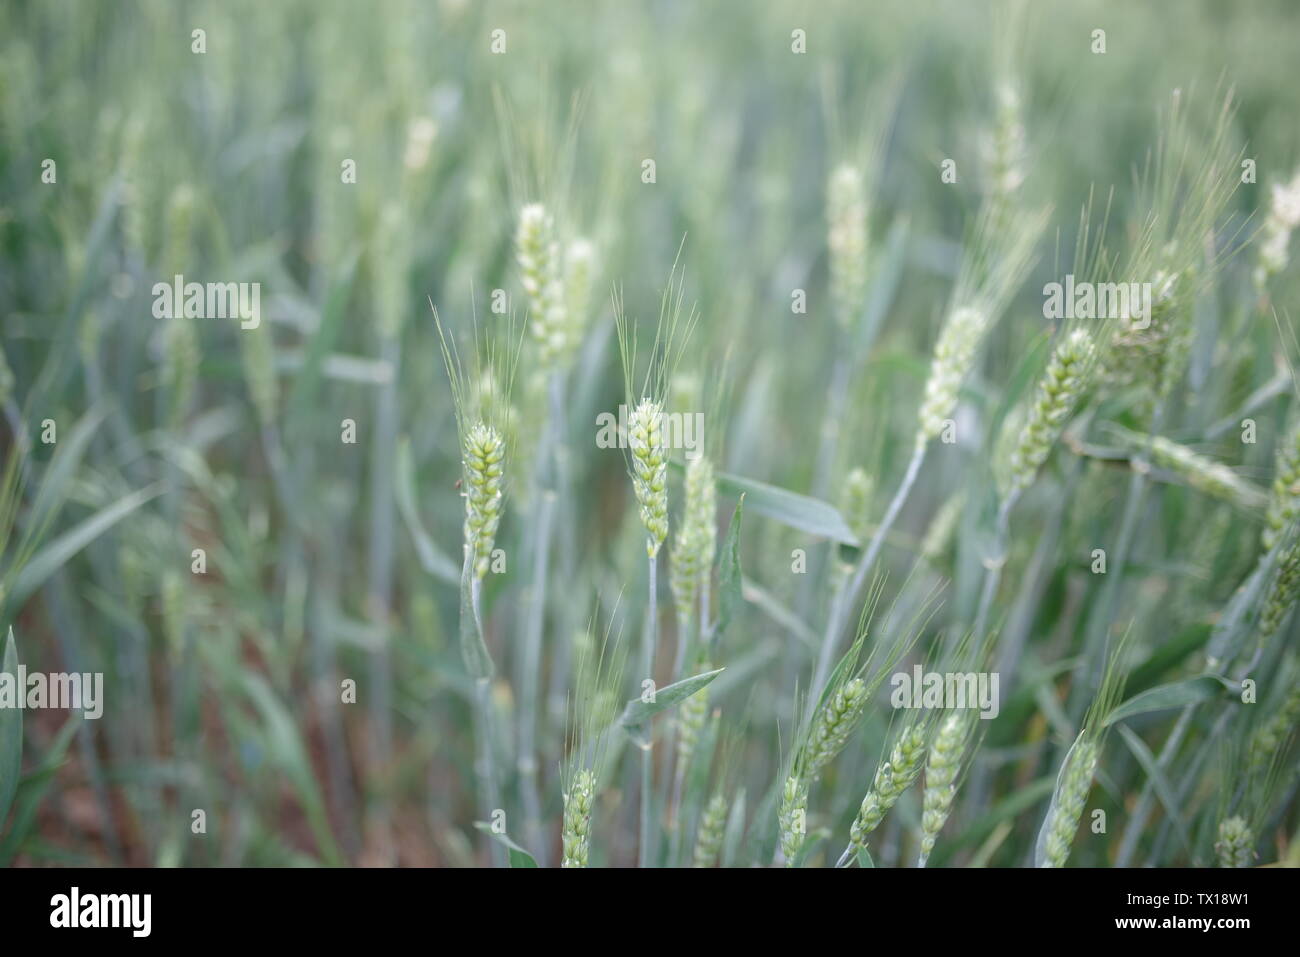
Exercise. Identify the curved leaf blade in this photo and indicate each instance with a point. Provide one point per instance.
(638, 712)
(1176, 694)
(11, 727)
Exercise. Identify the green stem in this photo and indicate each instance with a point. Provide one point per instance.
(548, 472)
(487, 778)
(994, 564)
(1099, 624)
(648, 647)
(845, 598)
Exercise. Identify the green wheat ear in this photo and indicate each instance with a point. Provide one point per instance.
(834, 723)
(1270, 736)
(481, 400)
(1072, 789)
(954, 355)
(891, 780)
(792, 817)
(856, 497)
(577, 818)
(484, 464)
(1074, 780)
(1235, 846)
(257, 353)
(648, 456)
(1204, 474)
(649, 471)
(1058, 392)
(692, 713)
(1275, 235)
(1284, 497)
(846, 240)
(696, 540)
(947, 752)
(713, 823)
(1282, 593)
(541, 275)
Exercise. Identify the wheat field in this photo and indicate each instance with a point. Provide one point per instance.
(649, 434)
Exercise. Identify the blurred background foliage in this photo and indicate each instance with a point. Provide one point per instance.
(223, 688)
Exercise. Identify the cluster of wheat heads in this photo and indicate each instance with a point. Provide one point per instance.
(717, 498)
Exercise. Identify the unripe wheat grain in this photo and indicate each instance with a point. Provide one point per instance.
(1284, 498)
(954, 354)
(1282, 593)
(690, 721)
(1205, 474)
(892, 778)
(857, 501)
(539, 264)
(577, 819)
(1072, 789)
(1235, 846)
(1283, 218)
(946, 753)
(484, 461)
(1057, 394)
(649, 471)
(834, 722)
(846, 214)
(1269, 736)
(793, 817)
(713, 823)
(696, 539)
